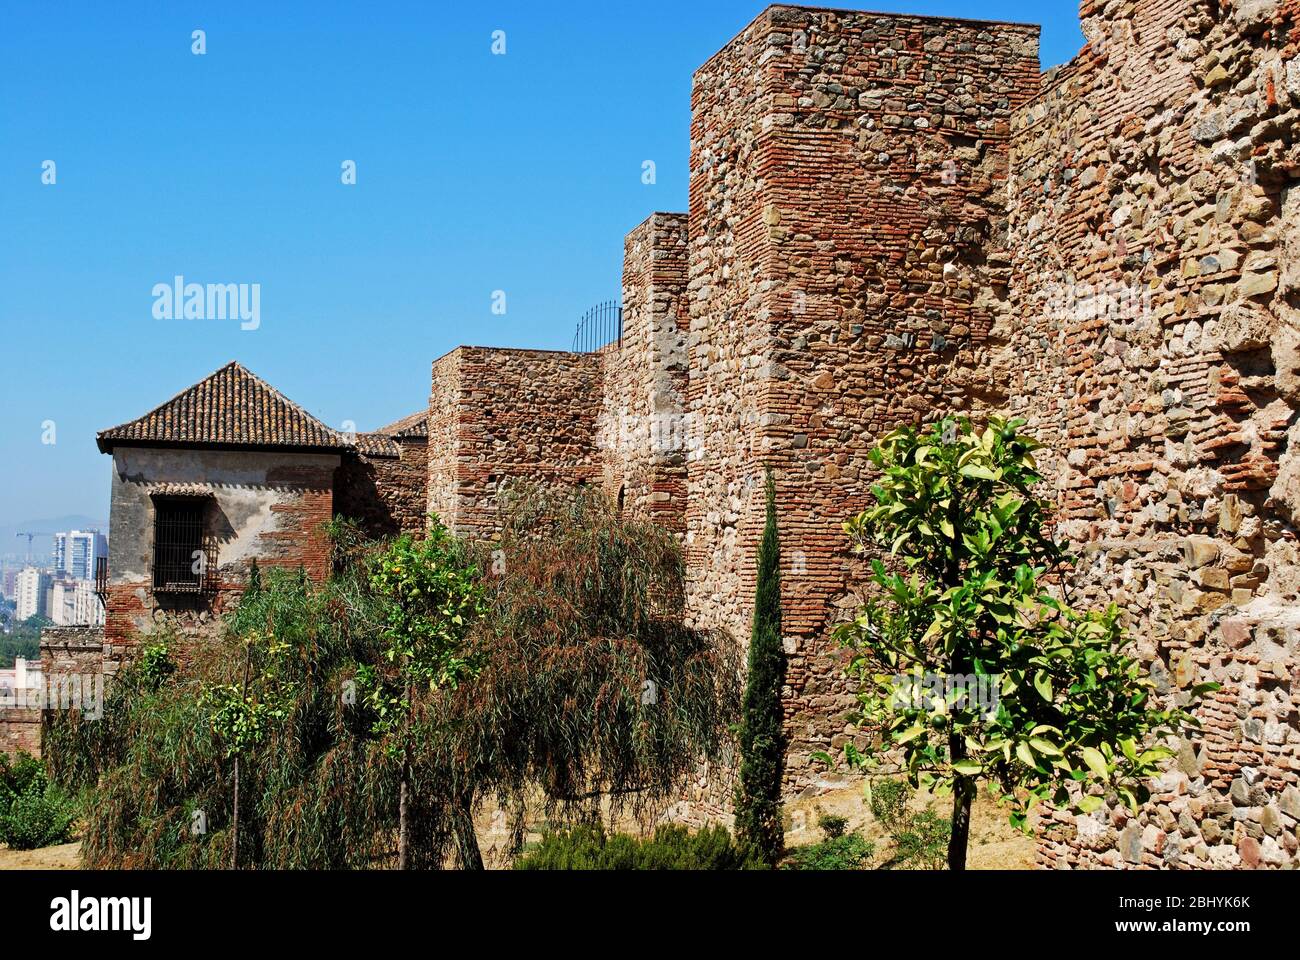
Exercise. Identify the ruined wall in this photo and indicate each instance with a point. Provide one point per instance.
(266, 506)
(509, 414)
(1153, 225)
(641, 433)
(847, 268)
(70, 673)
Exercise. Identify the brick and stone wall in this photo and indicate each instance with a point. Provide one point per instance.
(642, 432)
(70, 672)
(504, 415)
(385, 488)
(20, 730)
(1154, 344)
(847, 268)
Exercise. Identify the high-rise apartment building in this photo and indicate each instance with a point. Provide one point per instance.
(75, 552)
(32, 593)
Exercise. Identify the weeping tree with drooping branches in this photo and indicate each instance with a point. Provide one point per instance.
(593, 698)
(589, 697)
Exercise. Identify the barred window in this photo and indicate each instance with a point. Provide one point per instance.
(179, 558)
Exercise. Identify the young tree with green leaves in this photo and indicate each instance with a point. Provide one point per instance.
(762, 730)
(971, 670)
(242, 714)
(431, 595)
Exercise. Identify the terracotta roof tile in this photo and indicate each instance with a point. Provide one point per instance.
(232, 407)
(378, 445)
(415, 425)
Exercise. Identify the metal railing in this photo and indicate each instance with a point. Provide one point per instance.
(101, 580)
(600, 329)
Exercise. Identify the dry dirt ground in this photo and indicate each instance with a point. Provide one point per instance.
(994, 844)
(66, 856)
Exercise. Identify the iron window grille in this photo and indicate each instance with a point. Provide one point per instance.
(184, 556)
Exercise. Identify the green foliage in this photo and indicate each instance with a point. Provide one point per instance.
(923, 841)
(156, 664)
(316, 793)
(593, 693)
(888, 800)
(964, 598)
(18, 773)
(241, 713)
(832, 825)
(33, 812)
(582, 612)
(24, 641)
(845, 851)
(762, 733)
(588, 847)
(430, 598)
(920, 839)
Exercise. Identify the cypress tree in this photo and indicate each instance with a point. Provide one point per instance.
(762, 731)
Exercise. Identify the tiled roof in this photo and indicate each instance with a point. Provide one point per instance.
(232, 407)
(378, 445)
(415, 425)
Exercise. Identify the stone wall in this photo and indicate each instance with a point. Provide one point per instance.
(847, 269)
(385, 487)
(20, 730)
(642, 432)
(1154, 345)
(71, 672)
(505, 415)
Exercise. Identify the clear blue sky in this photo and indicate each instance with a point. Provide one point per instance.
(474, 173)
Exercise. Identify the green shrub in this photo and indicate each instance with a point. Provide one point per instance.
(845, 851)
(832, 825)
(33, 812)
(888, 802)
(17, 775)
(40, 816)
(588, 847)
(924, 843)
(920, 839)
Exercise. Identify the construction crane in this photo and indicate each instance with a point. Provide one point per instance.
(30, 537)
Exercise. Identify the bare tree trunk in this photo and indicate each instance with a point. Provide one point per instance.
(963, 792)
(471, 857)
(403, 835)
(234, 819)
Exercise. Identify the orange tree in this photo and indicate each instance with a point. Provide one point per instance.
(971, 671)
